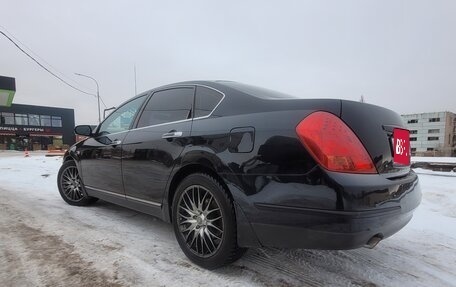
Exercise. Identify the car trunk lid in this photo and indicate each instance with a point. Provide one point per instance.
(376, 127)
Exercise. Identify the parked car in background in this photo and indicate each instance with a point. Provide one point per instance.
(233, 166)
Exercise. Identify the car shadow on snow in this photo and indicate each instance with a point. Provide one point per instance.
(390, 263)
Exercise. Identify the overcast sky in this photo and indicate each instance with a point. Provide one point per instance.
(398, 54)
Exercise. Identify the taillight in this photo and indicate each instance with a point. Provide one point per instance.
(333, 144)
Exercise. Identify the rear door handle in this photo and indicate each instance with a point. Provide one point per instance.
(171, 135)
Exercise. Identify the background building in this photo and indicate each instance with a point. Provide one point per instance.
(432, 134)
(35, 127)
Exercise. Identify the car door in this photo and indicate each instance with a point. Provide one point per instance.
(151, 150)
(100, 156)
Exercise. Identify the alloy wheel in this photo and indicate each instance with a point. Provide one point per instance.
(71, 184)
(200, 221)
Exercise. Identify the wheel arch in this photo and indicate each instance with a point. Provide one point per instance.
(184, 171)
(67, 158)
(70, 155)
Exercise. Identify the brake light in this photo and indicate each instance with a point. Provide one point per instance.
(333, 144)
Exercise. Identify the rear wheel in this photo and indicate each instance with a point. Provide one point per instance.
(71, 187)
(204, 222)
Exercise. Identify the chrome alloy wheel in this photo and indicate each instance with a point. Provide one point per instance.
(71, 184)
(200, 220)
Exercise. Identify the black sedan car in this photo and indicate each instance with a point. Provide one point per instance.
(233, 166)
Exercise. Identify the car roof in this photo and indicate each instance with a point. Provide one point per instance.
(230, 87)
(238, 98)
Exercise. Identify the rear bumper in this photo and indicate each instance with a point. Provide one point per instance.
(343, 214)
(292, 227)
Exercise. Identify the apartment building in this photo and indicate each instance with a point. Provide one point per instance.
(432, 134)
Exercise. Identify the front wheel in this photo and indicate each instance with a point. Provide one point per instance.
(204, 222)
(71, 187)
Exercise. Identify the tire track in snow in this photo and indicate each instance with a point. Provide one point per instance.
(27, 247)
(267, 259)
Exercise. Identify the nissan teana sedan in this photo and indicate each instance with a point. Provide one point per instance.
(233, 166)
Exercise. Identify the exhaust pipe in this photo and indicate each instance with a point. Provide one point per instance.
(373, 241)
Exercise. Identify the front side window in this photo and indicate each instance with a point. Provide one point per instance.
(206, 100)
(122, 118)
(167, 106)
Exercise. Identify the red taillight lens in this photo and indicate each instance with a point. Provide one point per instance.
(333, 144)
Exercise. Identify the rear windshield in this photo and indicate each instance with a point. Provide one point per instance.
(258, 92)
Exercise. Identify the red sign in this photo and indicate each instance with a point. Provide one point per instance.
(401, 146)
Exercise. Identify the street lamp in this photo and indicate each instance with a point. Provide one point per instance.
(98, 94)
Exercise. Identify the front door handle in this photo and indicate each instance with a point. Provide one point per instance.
(171, 135)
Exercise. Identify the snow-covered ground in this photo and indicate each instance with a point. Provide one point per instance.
(46, 242)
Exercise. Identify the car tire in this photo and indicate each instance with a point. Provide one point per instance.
(204, 222)
(71, 187)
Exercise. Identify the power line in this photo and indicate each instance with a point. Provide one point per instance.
(103, 103)
(42, 60)
(42, 66)
(46, 69)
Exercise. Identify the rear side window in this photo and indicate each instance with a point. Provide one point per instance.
(167, 106)
(206, 100)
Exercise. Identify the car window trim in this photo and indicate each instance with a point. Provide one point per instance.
(216, 106)
(151, 94)
(162, 124)
(193, 107)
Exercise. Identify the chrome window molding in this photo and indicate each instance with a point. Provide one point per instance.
(179, 121)
(162, 124)
(186, 120)
(193, 85)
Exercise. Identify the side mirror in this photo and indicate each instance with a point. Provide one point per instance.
(83, 130)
